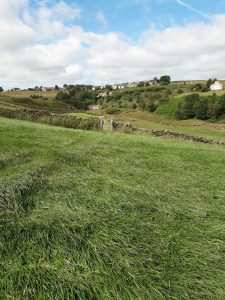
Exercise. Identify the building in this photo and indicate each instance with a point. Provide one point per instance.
(43, 89)
(104, 94)
(94, 107)
(132, 84)
(216, 86)
(15, 89)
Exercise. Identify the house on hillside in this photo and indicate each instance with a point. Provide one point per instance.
(43, 89)
(94, 107)
(132, 84)
(216, 86)
(104, 94)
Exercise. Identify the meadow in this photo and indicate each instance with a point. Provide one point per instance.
(23, 99)
(91, 215)
(162, 119)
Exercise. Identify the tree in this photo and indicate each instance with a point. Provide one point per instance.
(61, 96)
(165, 79)
(141, 84)
(209, 83)
(109, 87)
(186, 110)
(1, 89)
(57, 88)
(201, 109)
(196, 87)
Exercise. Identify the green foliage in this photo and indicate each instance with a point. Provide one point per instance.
(211, 107)
(36, 96)
(80, 96)
(185, 109)
(1, 89)
(201, 109)
(141, 84)
(179, 91)
(112, 111)
(165, 79)
(196, 87)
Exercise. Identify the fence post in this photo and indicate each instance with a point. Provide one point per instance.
(101, 123)
(111, 125)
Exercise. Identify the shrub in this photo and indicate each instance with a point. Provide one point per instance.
(112, 111)
(179, 91)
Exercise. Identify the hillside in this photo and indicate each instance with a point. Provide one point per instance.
(162, 118)
(44, 100)
(88, 215)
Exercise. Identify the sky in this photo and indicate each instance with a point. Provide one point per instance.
(48, 42)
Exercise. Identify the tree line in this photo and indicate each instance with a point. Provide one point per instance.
(203, 108)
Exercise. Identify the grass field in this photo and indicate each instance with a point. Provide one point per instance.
(88, 215)
(193, 127)
(161, 119)
(22, 99)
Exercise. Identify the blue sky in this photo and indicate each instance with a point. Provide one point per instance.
(135, 16)
(48, 42)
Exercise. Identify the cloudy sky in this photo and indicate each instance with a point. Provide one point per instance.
(49, 42)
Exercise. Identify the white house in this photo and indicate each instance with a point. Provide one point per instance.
(216, 86)
(104, 94)
(132, 84)
(94, 107)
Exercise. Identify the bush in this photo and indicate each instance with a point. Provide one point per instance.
(186, 109)
(112, 111)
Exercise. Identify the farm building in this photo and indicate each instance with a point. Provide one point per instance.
(94, 107)
(216, 86)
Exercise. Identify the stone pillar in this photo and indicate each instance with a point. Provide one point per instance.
(101, 123)
(111, 125)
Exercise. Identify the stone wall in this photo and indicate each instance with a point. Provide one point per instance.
(179, 135)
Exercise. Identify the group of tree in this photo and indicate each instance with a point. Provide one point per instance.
(203, 108)
(163, 80)
(80, 96)
(201, 87)
(1, 89)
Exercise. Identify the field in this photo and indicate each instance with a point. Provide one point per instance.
(148, 120)
(161, 119)
(22, 99)
(89, 215)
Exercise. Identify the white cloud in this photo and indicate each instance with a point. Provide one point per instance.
(100, 16)
(38, 47)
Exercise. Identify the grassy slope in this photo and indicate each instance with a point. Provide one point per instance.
(100, 216)
(169, 108)
(160, 120)
(153, 121)
(22, 98)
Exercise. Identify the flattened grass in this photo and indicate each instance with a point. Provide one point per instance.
(113, 216)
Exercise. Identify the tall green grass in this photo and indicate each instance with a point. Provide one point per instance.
(109, 216)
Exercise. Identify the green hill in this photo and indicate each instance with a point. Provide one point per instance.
(88, 215)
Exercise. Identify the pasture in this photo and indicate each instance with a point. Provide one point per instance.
(89, 215)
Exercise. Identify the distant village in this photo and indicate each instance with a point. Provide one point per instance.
(108, 89)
